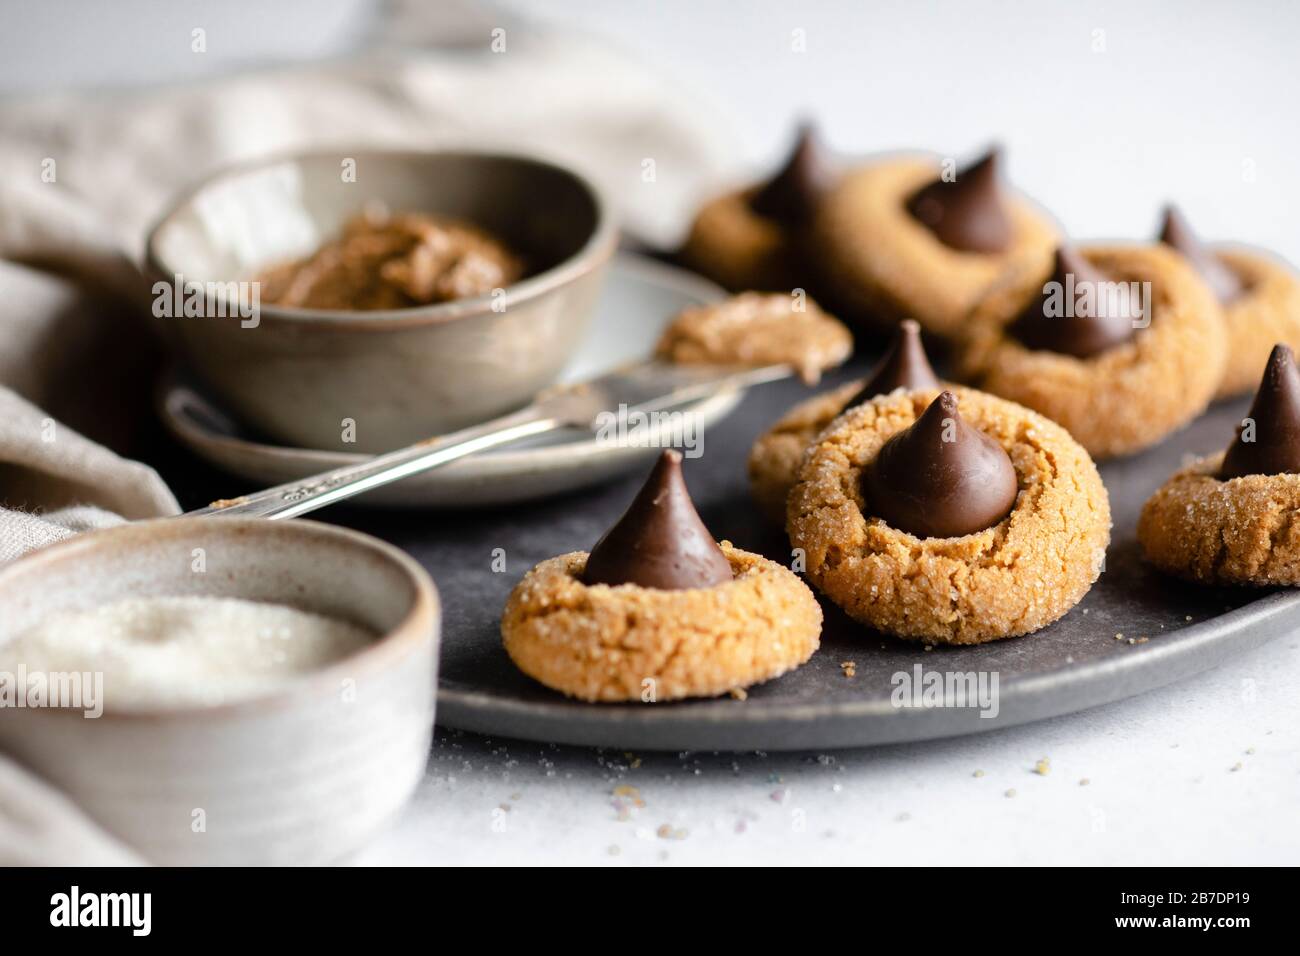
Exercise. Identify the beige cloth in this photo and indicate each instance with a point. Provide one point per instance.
(72, 343)
(76, 359)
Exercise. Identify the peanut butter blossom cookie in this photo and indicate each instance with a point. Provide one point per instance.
(659, 610)
(1234, 518)
(775, 457)
(1120, 344)
(754, 238)
(951, 517)
(900, 238)
(758, 329)
(1260, 298)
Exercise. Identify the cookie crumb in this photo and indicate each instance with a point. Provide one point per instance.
(667, 831)
(629, 793)
(1043, 767)
(1011, 792)
(1119, 636)
(850, 668)
(978, 773)
(1235, 767)
(738, 693)
(1084, 781)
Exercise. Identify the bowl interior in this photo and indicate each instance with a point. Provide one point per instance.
(253, 216)
(302, 564)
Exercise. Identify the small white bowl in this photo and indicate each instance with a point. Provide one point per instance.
(300, 775)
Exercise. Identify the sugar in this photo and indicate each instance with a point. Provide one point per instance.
(184, 651)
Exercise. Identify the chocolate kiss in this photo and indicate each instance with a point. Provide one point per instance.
(1081, 335)
(969, 213)
(903, 366)
(792, 195)
(940, 478)
(1175, 232)
(1275, 412)
(660, 542)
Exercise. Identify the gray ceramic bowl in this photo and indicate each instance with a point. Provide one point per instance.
(304, 774)
(399, 376)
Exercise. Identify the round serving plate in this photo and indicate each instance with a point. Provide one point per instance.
(1170, 629)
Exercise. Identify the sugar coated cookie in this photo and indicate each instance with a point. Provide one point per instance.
(1121, 345)
(754, 238)
(1259, 294)
(774, 458)
(952, 517)
(658, 610)
(899, 238)
(1234, 518)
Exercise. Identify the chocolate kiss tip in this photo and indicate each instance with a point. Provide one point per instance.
(660, 541)
(904, 365)
(792, 195)
(1269, 442)
(1056, 320)
(1177, 233)
(968, 214)
(940, 477)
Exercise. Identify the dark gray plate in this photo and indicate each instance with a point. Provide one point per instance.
(1074, 664)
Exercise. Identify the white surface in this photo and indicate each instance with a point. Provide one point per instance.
(1187, 99)
(1162, 791)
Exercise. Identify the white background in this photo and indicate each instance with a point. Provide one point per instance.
(1193, 101)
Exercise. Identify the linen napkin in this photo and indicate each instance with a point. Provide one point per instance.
(82, 175)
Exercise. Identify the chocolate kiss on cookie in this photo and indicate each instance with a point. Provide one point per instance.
(1268, 442)
(940, 477)
(1175, 232)
(969, 213)
(905, 365)
(660, 542)
(792, 195)
(1074, 314)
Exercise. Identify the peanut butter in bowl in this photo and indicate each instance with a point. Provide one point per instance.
(381, 261)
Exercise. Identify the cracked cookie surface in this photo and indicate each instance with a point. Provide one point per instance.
(1125, 398)
(1241, 531)
(880, 261)
(1267, 312)
(603, 643)
(1011, 579)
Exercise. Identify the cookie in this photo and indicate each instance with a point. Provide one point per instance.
(755, 238)
(882, 237)
(1115, 387)
(758, 329)
(775, 457)
(658, 610)
(1260, 297)
(602, 643)
(1011, 577)
(1234, 518)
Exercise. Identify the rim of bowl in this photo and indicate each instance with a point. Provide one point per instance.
(423, 618)
(593, 253)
